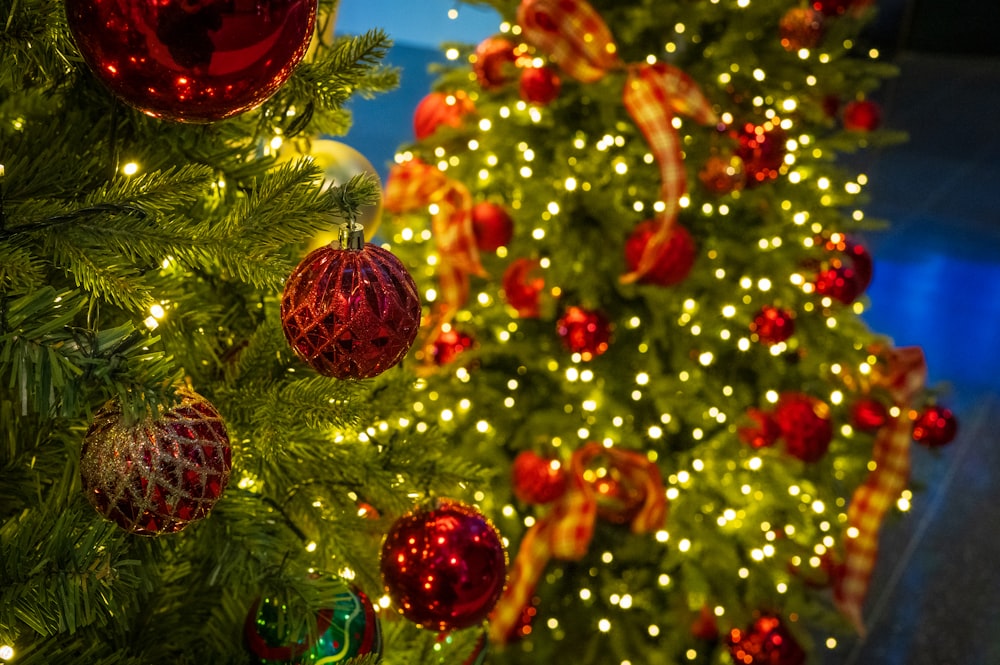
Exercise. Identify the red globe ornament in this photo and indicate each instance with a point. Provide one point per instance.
(766, 642)
(537, 480)
(539, 85)
(350, 312)
(440, 109)
(848, 273)
(800, 28)
(722, 175)
(493, 63)
(584, 331)
(674, 258)
(444, 567)
(868, 415)
(936, 426)
(522, 287)
(448, 345)
(772, 325)
(762, 149)
(492, 226)
(805, 426)
(763, 432)
(157, 475)
(194, 61)
(862, 115)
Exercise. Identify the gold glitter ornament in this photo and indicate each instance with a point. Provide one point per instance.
(159, 474)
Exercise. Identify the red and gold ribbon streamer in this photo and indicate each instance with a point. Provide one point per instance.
(576, 38)
(907, 373)
(565, 532)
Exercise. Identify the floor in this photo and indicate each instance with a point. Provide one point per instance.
(936, 593)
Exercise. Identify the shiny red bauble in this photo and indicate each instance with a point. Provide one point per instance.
(761, 431)
(539, 85)
(765, 642)
(192, 60)
(350, 313)
(772, 325)
(444, 566)
(869, 415)
(762, 149)
(492, 226)
(935, 426)
(674, 257)
(800, 28)
(805, 426)
(448, 345)
(439, 109)
(862, 115)
(523, 284)
(537, 480)
(157, 475)
(848, 271)
(584, 331)
(493, 62)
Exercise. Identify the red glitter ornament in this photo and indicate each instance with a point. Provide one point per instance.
(440, 109)
(492, 226)
(522, 287)
(772, 325)
(762, 149)
(763, 432)
(868, 415)
(674, 258)
(535, 479)
(159, 474)
(800, 28)
(766, 642)
(848, 272)
(444, 567)
(350, 312)
(722, 175)
(448, 345)
(584, 331)
(862, 115)
(936, 426)
(539, 85)
(493, 62)
(805, 426)
(192, 61)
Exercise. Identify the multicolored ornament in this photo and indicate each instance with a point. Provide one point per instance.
(493, 62)
(800, 28)
(722, 174)
(539, 85)
(869, 415)
(440, 109)
(448, 345)
(762, 149)
(492, 226)
(674, 258)
(772, 325)
(444, 566)
(522, 287)
(936, 426)
(862, 115)
(160, 474)
(348, 629)
(766, 642)
(192, 61)
(537, 480)
(805, 426)
(350, 312)
(584, 331)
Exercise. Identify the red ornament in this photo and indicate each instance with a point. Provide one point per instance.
(862, 115)
(773, 325)
(763, 433)
(539, 85)
(722, 175)
(805, 426)
(492, 226)
(674, 258)
(444, 567)
(192, 61)
(762, 149)
(839, 7)
(159, 474)
(848, 273)
(584, 331)
(766, 642)
(869, 415)
(537, 480)
(705, 627)
(439, 108)
(800, 28)
(350, 313)
(493, 62)
(448, 345)
(936, 426)
(522, 287)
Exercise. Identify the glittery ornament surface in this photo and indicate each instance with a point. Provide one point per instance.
(539, 85)
(935, 426)
(160, 474)
(192, 60)
(444, 566)
(805, 426)
(766, 642)
(772, 325)
(584, 331)
(762, 150)
(800, 28)
(350, 313)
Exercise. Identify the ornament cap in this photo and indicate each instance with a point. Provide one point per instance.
(352, 236)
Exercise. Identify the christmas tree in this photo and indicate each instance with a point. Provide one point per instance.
(644, 242)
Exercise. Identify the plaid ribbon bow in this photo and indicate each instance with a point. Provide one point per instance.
(576, 38)
(907, 373)
(565, 532)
